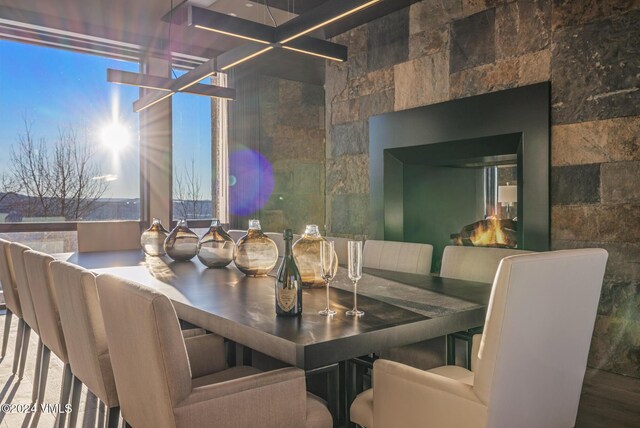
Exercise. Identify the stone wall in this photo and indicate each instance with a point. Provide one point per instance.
(292, 127)
(435, 51)
(284, 121)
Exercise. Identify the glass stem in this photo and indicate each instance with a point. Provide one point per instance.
(327, 287)
(355, 295)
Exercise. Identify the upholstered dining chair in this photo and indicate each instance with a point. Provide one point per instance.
(86, 340)
(160, 384)
(529, 362)
(45, 304)
(108, 236)
(16, 251)
(397, 256)
(341, 247)
(478, 264)
(236, 234)
(12, 301)
(279, 240)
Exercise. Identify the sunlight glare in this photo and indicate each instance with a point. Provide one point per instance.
(115, 137)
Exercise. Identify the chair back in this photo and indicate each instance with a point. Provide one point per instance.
(341, 247)
(398, 256)
(108, 236)
(534, 349)
(147, 351)
(279, 240)
(83, 327)
(474, 263)
(22, 284)
(8, 280)
(45, 302)
(236, 234)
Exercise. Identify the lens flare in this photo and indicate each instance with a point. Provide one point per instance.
(253, 182)
(115, 137)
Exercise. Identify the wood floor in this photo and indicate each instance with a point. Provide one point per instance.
(608, 400)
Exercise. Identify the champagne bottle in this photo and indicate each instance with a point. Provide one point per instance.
(288, 282)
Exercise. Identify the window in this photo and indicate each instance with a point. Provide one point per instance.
(192, 158)
(69, 138)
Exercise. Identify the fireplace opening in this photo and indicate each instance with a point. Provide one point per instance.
(498, 227)
(461, 192)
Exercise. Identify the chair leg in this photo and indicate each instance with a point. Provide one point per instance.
(126, 425)
(113, 417)
(7, 328)
(24, 350)
(44, 374)
(65, 392)
(16, 355)
(75, 402)
(36, 374)
(469, 354)
(451, 350)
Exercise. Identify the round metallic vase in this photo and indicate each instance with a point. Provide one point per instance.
(255, 254)
(152, 239)
(182, 243)
(215, 248)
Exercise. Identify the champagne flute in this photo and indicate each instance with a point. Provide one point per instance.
(355, 273)
(327, 264)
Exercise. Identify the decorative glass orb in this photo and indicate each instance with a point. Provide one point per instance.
(306, 251)
(152, 239)
(182, 243)
(255, 254)
(215, 249)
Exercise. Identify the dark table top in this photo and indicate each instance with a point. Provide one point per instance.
(399, 308)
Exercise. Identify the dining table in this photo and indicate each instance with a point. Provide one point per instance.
(400, 309)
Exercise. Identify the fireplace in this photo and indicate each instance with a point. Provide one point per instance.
(491, 232)
(474, 170)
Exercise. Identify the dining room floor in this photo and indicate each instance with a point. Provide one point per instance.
(608, 400)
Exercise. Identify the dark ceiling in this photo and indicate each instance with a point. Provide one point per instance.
(137, 25)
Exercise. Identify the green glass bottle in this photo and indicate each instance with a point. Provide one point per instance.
(288, 282)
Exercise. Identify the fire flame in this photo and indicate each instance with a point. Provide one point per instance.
(492, 234)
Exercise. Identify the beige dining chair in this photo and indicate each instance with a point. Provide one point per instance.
(85, 336)
(160, 384)
(478, 264)
(16, 251)
(528, 365)
(12, 301)
(279, 240)
(236, 234)
(108, 236)
(405, 257)
(86, 340)
(52, 339)
(341, 247)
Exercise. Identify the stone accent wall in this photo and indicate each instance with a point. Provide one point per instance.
(285, 123)
(435, 51)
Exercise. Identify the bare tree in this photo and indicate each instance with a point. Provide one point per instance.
(188, 192)
(7, 187)
(58, 181)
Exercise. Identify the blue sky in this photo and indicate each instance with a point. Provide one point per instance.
(56, 89)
